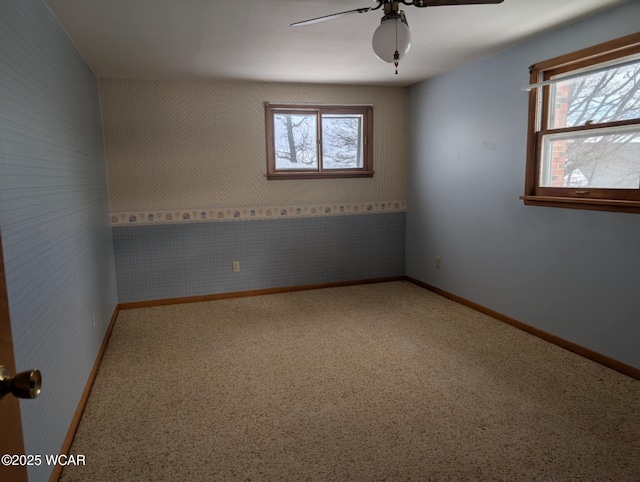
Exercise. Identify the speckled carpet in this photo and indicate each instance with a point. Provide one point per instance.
(375, 382)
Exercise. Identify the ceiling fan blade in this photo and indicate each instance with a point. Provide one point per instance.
(329, 17)
(444, 3)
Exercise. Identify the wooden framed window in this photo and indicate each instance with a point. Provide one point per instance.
(583, 144)
(319, 141)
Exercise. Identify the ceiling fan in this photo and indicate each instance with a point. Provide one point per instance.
(392, 39)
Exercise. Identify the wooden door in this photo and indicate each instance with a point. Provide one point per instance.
(11, 441)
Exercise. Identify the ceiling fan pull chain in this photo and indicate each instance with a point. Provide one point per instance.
(396, 54)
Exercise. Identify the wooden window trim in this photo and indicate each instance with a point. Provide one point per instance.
(618, 200)
(322, 173)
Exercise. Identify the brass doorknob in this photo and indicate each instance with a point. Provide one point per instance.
(25, 384)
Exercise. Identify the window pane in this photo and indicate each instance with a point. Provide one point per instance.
(342, 141)
(599, 158)
(296, 141)
(607, 96)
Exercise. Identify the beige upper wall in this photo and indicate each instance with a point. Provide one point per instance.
(182, 144)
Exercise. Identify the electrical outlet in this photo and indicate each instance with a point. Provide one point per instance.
(93, 319)
(236, 266)
(438, 262)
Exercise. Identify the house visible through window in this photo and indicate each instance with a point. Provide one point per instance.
(318, 141)
(584, 129)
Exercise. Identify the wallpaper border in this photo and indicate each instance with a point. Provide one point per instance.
(173, 216)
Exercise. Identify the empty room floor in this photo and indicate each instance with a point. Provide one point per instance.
(373, 382)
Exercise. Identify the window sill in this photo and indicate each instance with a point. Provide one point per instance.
(319, 175)
(588, 204)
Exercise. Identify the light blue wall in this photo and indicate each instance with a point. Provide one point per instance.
(181, 260)
(57, 240)
(568, 272)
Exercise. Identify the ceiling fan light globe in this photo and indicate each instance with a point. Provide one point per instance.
(384, 39)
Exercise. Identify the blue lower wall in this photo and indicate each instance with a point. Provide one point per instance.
(179, 260)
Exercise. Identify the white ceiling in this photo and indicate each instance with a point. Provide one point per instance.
(252, 40)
